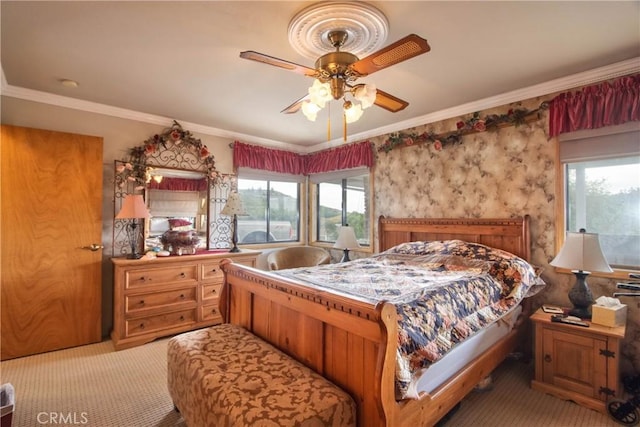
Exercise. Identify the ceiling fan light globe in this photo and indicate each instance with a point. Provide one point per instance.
(366, 94)
(352, 112)
(310, 110)
(320, 93)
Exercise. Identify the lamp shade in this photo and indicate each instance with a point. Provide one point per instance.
(133, 206)
(582, 252)
(346, 238)
(233, 206)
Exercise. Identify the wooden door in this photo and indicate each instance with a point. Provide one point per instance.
(51, 207)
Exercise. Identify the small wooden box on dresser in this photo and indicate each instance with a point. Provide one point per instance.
(168, 295)
(577, 363)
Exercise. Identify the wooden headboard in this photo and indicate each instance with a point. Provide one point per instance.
(509, 234)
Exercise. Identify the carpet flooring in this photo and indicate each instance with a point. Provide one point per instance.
(96, 386)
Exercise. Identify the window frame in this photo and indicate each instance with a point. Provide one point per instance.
(302, 202)
(313, 217)
(561, 193)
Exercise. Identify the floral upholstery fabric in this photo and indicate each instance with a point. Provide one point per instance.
(224, 376)
(444, 292)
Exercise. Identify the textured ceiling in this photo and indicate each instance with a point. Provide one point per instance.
(180, 59)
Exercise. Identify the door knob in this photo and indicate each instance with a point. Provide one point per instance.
(93, 247)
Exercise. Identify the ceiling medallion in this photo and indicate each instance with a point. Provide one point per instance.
(366, 27)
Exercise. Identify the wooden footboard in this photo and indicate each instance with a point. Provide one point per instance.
(342, 339)
(353, 343)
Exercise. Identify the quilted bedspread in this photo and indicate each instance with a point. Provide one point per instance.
(444, 292)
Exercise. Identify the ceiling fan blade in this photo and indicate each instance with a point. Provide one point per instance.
(295, 107)
(389, 102)
(405, 48)
(277, 62)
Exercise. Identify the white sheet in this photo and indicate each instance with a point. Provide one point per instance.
(438, 373)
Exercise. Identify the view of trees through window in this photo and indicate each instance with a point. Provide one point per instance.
(343, 201)
(603, 196)
(273, 211)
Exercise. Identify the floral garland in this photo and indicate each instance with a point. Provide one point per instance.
(134, 169)
(474, 124)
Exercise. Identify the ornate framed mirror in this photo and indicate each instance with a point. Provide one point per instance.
(182, 189)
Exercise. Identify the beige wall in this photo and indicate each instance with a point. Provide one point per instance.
(508, 172)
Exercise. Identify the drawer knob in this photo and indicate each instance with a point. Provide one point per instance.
(214, 311)
(181, 296)
(213, 270)
(213, 291)
(183, 275)
(141, 302)
(142, 279)
(141, 325)
(181, 317)
(547, 358)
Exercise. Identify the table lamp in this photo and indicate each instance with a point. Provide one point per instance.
(582, 254)
(133, 207)
(234, 207)
(346, 240)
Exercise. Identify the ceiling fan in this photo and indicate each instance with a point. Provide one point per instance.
(340, 70)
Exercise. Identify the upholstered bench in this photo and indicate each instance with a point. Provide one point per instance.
(225, 376)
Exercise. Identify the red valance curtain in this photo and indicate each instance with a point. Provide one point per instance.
(179, 184)
(596, 106)
(268, 159)
(262, 158)
(340, 158)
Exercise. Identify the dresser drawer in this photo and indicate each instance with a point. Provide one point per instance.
(184, 273)
(210, 313)
(147, 301)
(211, 291)
(212, 271)
(159, 322)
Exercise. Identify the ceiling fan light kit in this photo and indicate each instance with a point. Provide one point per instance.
(328, 29)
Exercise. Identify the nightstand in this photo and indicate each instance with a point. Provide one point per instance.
(577, 363)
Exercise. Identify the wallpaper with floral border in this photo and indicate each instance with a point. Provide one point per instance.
(507, 172)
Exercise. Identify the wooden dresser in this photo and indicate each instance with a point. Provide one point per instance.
(164, 296)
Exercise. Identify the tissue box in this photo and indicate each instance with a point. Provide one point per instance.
(609, 316)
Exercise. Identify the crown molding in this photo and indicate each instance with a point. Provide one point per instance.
(629, 66)
(123, 113)
(569, 82)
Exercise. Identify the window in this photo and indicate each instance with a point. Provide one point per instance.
(603, 196)
(342, 200)
(602, 193)
(273, 211)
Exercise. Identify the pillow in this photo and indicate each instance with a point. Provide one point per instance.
(539, 283)
(455, 262)
(178, 222)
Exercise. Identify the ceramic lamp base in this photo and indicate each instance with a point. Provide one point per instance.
(581, 297)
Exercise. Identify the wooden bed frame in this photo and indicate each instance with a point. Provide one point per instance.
(353, 343)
